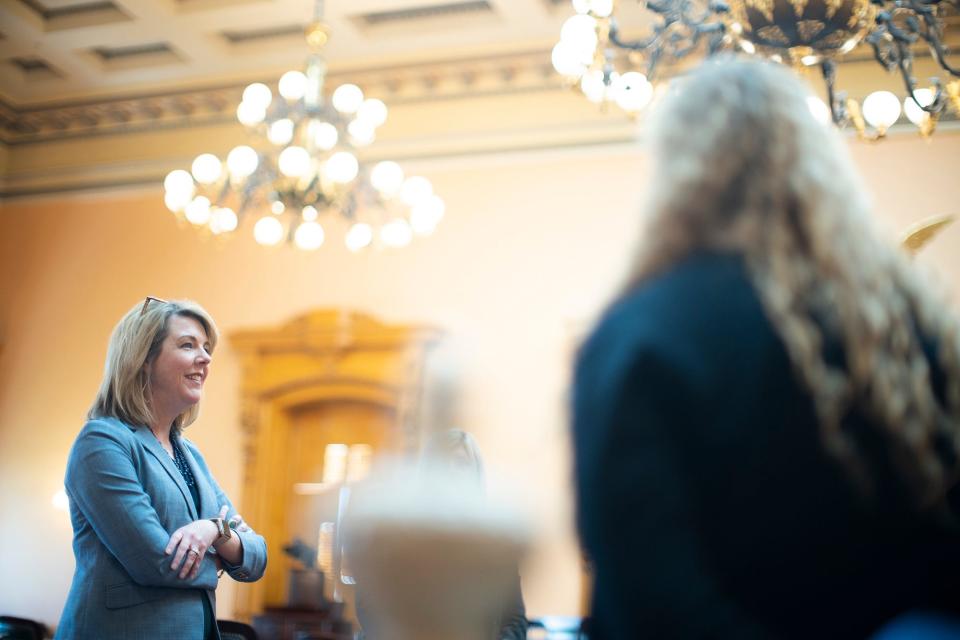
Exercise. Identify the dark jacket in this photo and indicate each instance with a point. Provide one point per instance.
(705, 501)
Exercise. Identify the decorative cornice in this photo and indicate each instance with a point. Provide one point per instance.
(443, 80)
(454, 79)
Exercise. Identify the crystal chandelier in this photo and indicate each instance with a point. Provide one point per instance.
(609, 68)
(301, 175)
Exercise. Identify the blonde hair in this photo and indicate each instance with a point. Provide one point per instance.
(741, 165)
(135, 341)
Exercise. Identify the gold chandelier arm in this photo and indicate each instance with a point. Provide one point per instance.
(953, 91)
(856, 118)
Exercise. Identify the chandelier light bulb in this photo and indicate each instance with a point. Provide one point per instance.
(414, 190)
(613, 87)
(258, 95)
(347, 98)
(849, 46)
(178, 181)
(197, 211)
(206, 168)
(293, 84)
(421, 223)
(294, 162)
(601, 8)
(176, 201)
(242, 161)
(250, 114)
(373, 112)
(912, 110)
(819, 110)
(579, 32)
(223, 220)
(304, 162)
(634, 92)
(436, 207)
(342, 167)
(323, 134)
(593, 86)
(268, 231)
(396, 233)
(359, 236)
(591, 51)
(281, 132)
(567, 61)
(881, 109)
(361, 132)
(387, 178)
(308, 236)
(425, 215)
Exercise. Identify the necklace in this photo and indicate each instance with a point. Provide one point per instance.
(182, 465)
(179, 460)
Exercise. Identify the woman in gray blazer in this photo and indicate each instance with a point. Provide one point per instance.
(152, 528)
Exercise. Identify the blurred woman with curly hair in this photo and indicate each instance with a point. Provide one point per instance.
(767, 419)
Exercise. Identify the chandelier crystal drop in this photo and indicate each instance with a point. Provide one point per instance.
(302, 173)
(594, 56)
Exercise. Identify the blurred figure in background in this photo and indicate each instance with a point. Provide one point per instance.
(434, 558)
(457, 451)
(767, 421)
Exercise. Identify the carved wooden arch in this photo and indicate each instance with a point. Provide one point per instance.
(323, 356)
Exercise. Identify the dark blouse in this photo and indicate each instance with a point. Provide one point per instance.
(181, 463)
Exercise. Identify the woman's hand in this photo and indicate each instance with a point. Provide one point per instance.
(237, 524)
(189, 544)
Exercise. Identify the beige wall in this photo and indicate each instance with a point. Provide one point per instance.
(531, 245)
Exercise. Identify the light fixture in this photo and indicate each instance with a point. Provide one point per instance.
(302, 173)
(608, 68)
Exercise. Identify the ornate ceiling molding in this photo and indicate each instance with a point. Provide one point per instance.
(453, 79)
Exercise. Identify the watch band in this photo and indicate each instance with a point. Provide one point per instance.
(223, 531)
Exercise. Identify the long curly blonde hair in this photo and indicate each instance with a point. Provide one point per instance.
(740, 164)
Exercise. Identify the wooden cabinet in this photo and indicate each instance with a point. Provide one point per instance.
(323, 378)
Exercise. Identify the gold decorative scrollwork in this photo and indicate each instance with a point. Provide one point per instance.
(765, 7)
(773, 34)
(799, 6)
(810, 29)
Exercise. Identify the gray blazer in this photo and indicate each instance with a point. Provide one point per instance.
(126, 499)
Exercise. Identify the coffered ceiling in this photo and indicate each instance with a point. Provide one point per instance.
(64, 52)
(95, 93)
(58, 51)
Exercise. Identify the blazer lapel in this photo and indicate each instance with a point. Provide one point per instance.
(153, 445)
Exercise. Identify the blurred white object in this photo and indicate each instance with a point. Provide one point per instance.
(431, 554)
